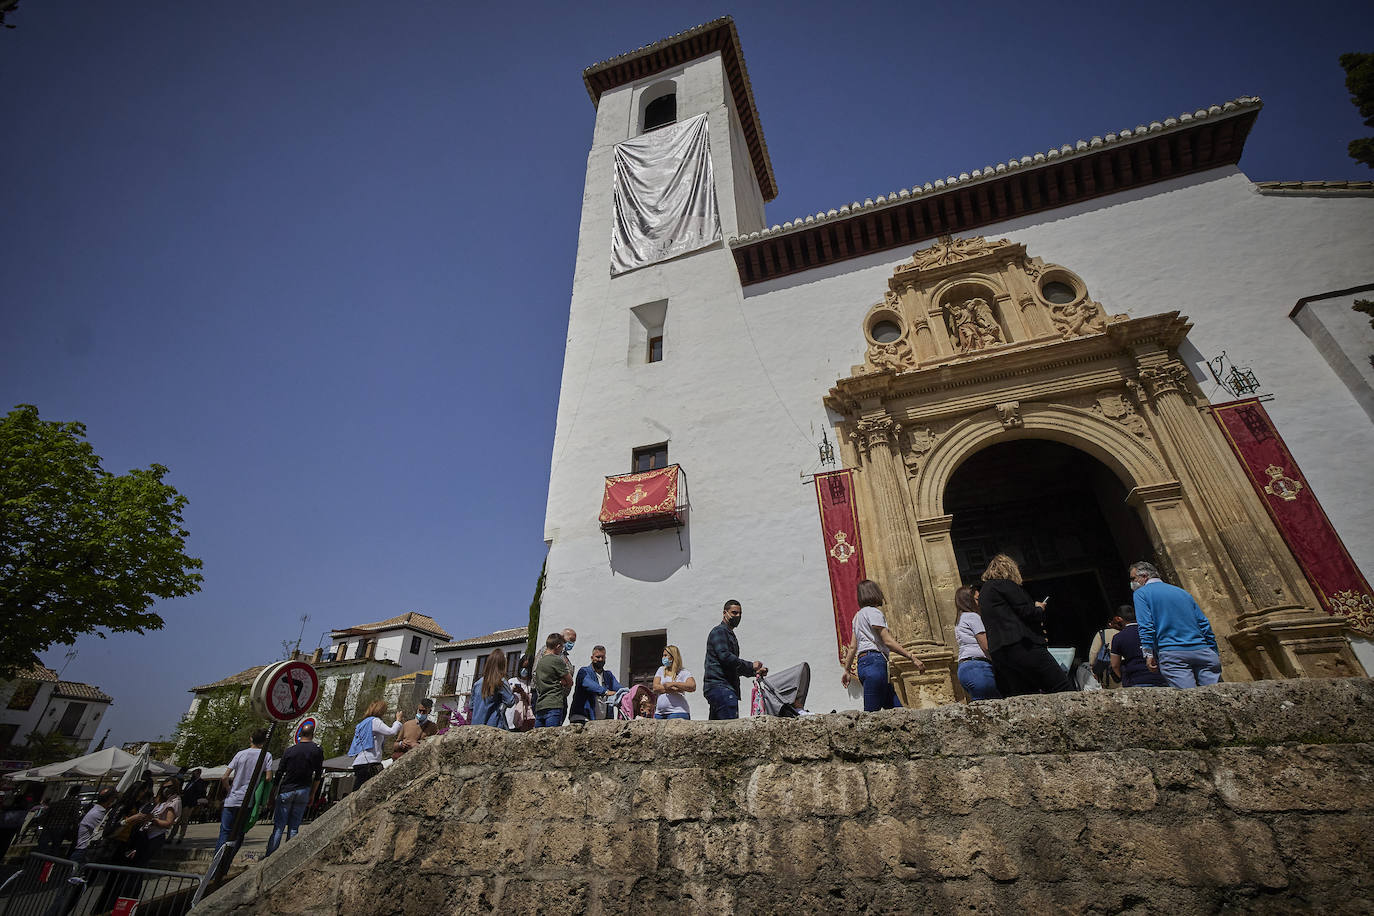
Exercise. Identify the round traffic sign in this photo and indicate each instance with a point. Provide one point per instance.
(290, 690)
(308, 720)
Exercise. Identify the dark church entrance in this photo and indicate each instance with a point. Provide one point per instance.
(1063, 516)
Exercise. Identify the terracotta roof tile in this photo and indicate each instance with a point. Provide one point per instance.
(243, 678)
(411, 619)
(72, 690)
(491, 639)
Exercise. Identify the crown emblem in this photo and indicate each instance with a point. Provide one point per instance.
(639, 494)
(1280, 485)
(842, 550)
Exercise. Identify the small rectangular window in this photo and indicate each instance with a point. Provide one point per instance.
(71, 720)
(649, 458)
(24, 695)
(414, 645)
(656, 349)
(645, 654)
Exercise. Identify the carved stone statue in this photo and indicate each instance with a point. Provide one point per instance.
(896, 355)
(989, 331)
(973, 325)
(1076, 319)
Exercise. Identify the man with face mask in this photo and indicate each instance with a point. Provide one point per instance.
(416, 730)
(724, 667)
(592, 682)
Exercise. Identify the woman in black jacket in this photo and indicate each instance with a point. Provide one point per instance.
(1015, 631)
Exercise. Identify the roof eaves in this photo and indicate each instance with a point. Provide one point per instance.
(1316, 188)
(988, 173)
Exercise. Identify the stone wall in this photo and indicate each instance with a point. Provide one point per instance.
(1253, 797)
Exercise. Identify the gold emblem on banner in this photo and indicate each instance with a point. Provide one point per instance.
(1357, 608)
(842, 550)
(1280, 485)
(634, 498)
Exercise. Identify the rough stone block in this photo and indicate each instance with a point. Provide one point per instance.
(689, 793)
(793, 790)
(1211, 853)
(1311, 778)
(1063, 783)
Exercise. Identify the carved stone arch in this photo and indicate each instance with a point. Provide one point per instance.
(1134, 464)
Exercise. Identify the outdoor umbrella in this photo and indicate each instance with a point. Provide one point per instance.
(109, 762)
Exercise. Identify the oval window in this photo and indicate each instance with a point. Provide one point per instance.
(1058, 292)
(885, 331)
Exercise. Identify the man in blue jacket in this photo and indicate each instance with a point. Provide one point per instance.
(1175, 636)
(593, 681)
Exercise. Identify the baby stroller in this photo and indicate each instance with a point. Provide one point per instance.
(782, 694)
(626, 699)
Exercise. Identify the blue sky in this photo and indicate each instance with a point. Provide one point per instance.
(316, 257)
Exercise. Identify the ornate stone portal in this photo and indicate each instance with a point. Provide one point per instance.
(976, 343)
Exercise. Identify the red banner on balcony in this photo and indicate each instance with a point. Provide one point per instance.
(643, 498)
(844, 557)
(1294, 508)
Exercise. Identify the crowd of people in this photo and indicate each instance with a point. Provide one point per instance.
(1161, 639)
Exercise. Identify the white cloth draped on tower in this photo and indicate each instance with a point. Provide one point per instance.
(665, 196)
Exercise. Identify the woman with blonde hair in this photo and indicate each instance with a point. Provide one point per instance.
(368, 738)
(1015, 630)
(671, 682)
(491, 695)
(872, 642)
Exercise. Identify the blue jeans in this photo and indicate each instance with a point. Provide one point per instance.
(878, 692)
(1190, 667)
(286, 818)
(548, 718)
(226, 824)
(975, 676)
(671, 715)
(724, 702)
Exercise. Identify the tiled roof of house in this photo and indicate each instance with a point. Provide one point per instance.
(491, 639)
(72, 690)
(243, 678)
(1334, 188)
(411, 676)
(36, 672)
(411, 619)
(1066, 151)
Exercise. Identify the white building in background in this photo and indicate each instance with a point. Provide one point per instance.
(40, 701)
(390, 659)
(732, 358)
(458, 665)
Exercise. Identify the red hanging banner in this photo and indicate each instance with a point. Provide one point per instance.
(844, 557)
(646, 500)
(1294, 508)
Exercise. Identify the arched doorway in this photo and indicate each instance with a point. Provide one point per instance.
(1062, 514)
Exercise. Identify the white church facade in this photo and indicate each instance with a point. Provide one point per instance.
(1016, 358)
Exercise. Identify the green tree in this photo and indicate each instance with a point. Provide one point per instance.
(533, 638)
(335, 736)
(81, 550)
(40, 750)
(220, 728)
(1359, 79)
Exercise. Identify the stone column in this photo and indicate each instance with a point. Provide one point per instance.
(1166, 384)
(878, 442)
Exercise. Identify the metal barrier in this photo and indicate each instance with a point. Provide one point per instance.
(50, 886)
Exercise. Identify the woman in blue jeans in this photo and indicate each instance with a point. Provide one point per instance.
(975, 668)
(871, 643)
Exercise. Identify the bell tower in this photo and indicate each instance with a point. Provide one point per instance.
(657, 338)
